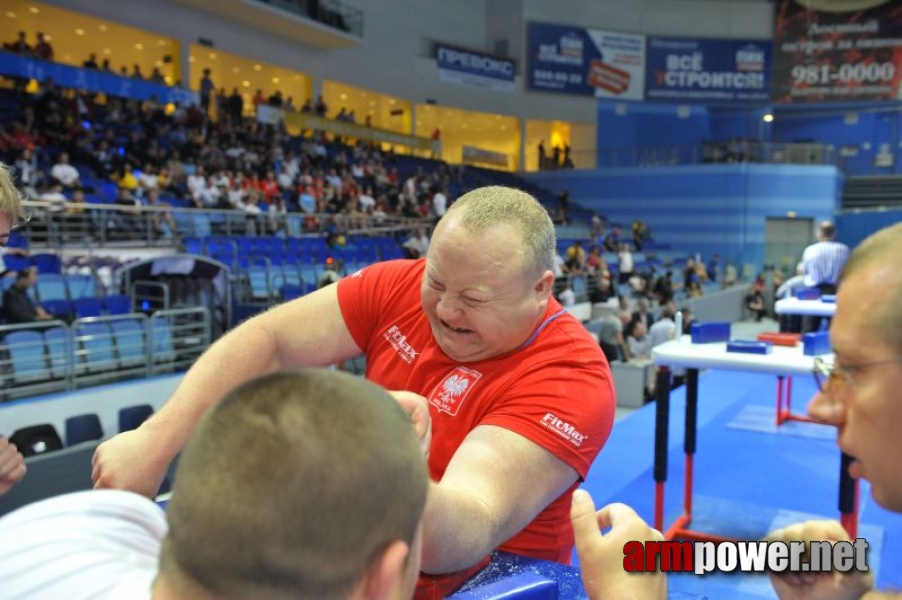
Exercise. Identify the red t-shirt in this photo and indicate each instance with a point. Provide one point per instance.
(556, 390)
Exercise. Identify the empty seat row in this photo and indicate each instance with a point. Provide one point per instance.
(80, 308)
(87, 348)
(43, 438)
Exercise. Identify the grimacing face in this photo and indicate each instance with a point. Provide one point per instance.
(868, 410)
(475, 294)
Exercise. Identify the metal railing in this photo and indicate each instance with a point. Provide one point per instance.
(52, 356)
(99, 225)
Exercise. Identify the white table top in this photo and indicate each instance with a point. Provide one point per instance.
(783, 360)
(814, 308)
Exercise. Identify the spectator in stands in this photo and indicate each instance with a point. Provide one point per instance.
(641, 315)
(136, 72)
(694, 290)
(610, 336)
(91, 63)
(43, 49)
(496, 317)
(417, 245)
(664, 329)
(206, 88)
(17, 304)
(329, 275)
(439, 201)
(637, 340)
(593, 261)
(712, 268)
(626, 264)
(662, 291)
(236, 106)
(20, 46)
(320, 108)
(65, 173)
(575, 259)
(12, 465)
(232, 529)
(612, 240)
(754, 301)
(567, 297)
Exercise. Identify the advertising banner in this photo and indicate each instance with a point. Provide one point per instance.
(692, 71)
(837, 50)
(457, 65)
(588, 62)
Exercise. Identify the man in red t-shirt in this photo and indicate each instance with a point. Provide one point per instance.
(520, 397)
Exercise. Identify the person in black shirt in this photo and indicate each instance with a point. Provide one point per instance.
(17, 305)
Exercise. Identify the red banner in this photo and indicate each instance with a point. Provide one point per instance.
(837, 51)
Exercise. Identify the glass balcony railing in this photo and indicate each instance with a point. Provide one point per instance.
(328, 12)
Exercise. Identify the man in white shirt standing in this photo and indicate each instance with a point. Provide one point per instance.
(439, 203)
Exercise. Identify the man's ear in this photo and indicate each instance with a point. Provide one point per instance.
(384, 578)
(544, 286)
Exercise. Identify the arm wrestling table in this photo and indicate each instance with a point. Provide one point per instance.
(805, 308)
(782, 361)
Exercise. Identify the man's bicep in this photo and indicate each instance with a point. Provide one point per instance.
(512, 476)
(311, 330)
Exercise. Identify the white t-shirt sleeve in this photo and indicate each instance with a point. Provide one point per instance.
(87, 545)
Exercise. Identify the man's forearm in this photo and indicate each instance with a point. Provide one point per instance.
(458, 531)
(241, 355)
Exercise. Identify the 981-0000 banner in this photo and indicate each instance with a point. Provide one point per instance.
(833, 50)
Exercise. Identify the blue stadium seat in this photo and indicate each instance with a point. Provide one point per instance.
(27, 356)
(83, 428)
(58, 351)
(81, 286)
(131, 417)
(59, 308)
(162, 348)
(52, 287)
(117, 304)
(87, 307)
(36, 439)
(130, 342)
(47, 263)
(97, 351)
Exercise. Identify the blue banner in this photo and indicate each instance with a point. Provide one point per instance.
(458, 65)
(587, 62)
(698, 71)
(92, 80)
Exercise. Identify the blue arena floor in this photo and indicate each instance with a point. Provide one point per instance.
(750, 476)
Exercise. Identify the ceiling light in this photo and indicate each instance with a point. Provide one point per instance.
(212, 56)
(162, 42)
(79, 32)
(190, 59)
(246, 83)
(107, 51)
(257, 67)
(101, 27)
(275, 80)
(235, 69)
(344, 96)
(11, 15)
(139, 46)
(34, 9)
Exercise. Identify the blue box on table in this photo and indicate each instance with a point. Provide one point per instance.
(816, 343)
(707, 333)
(750, 346)
(829, 298)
